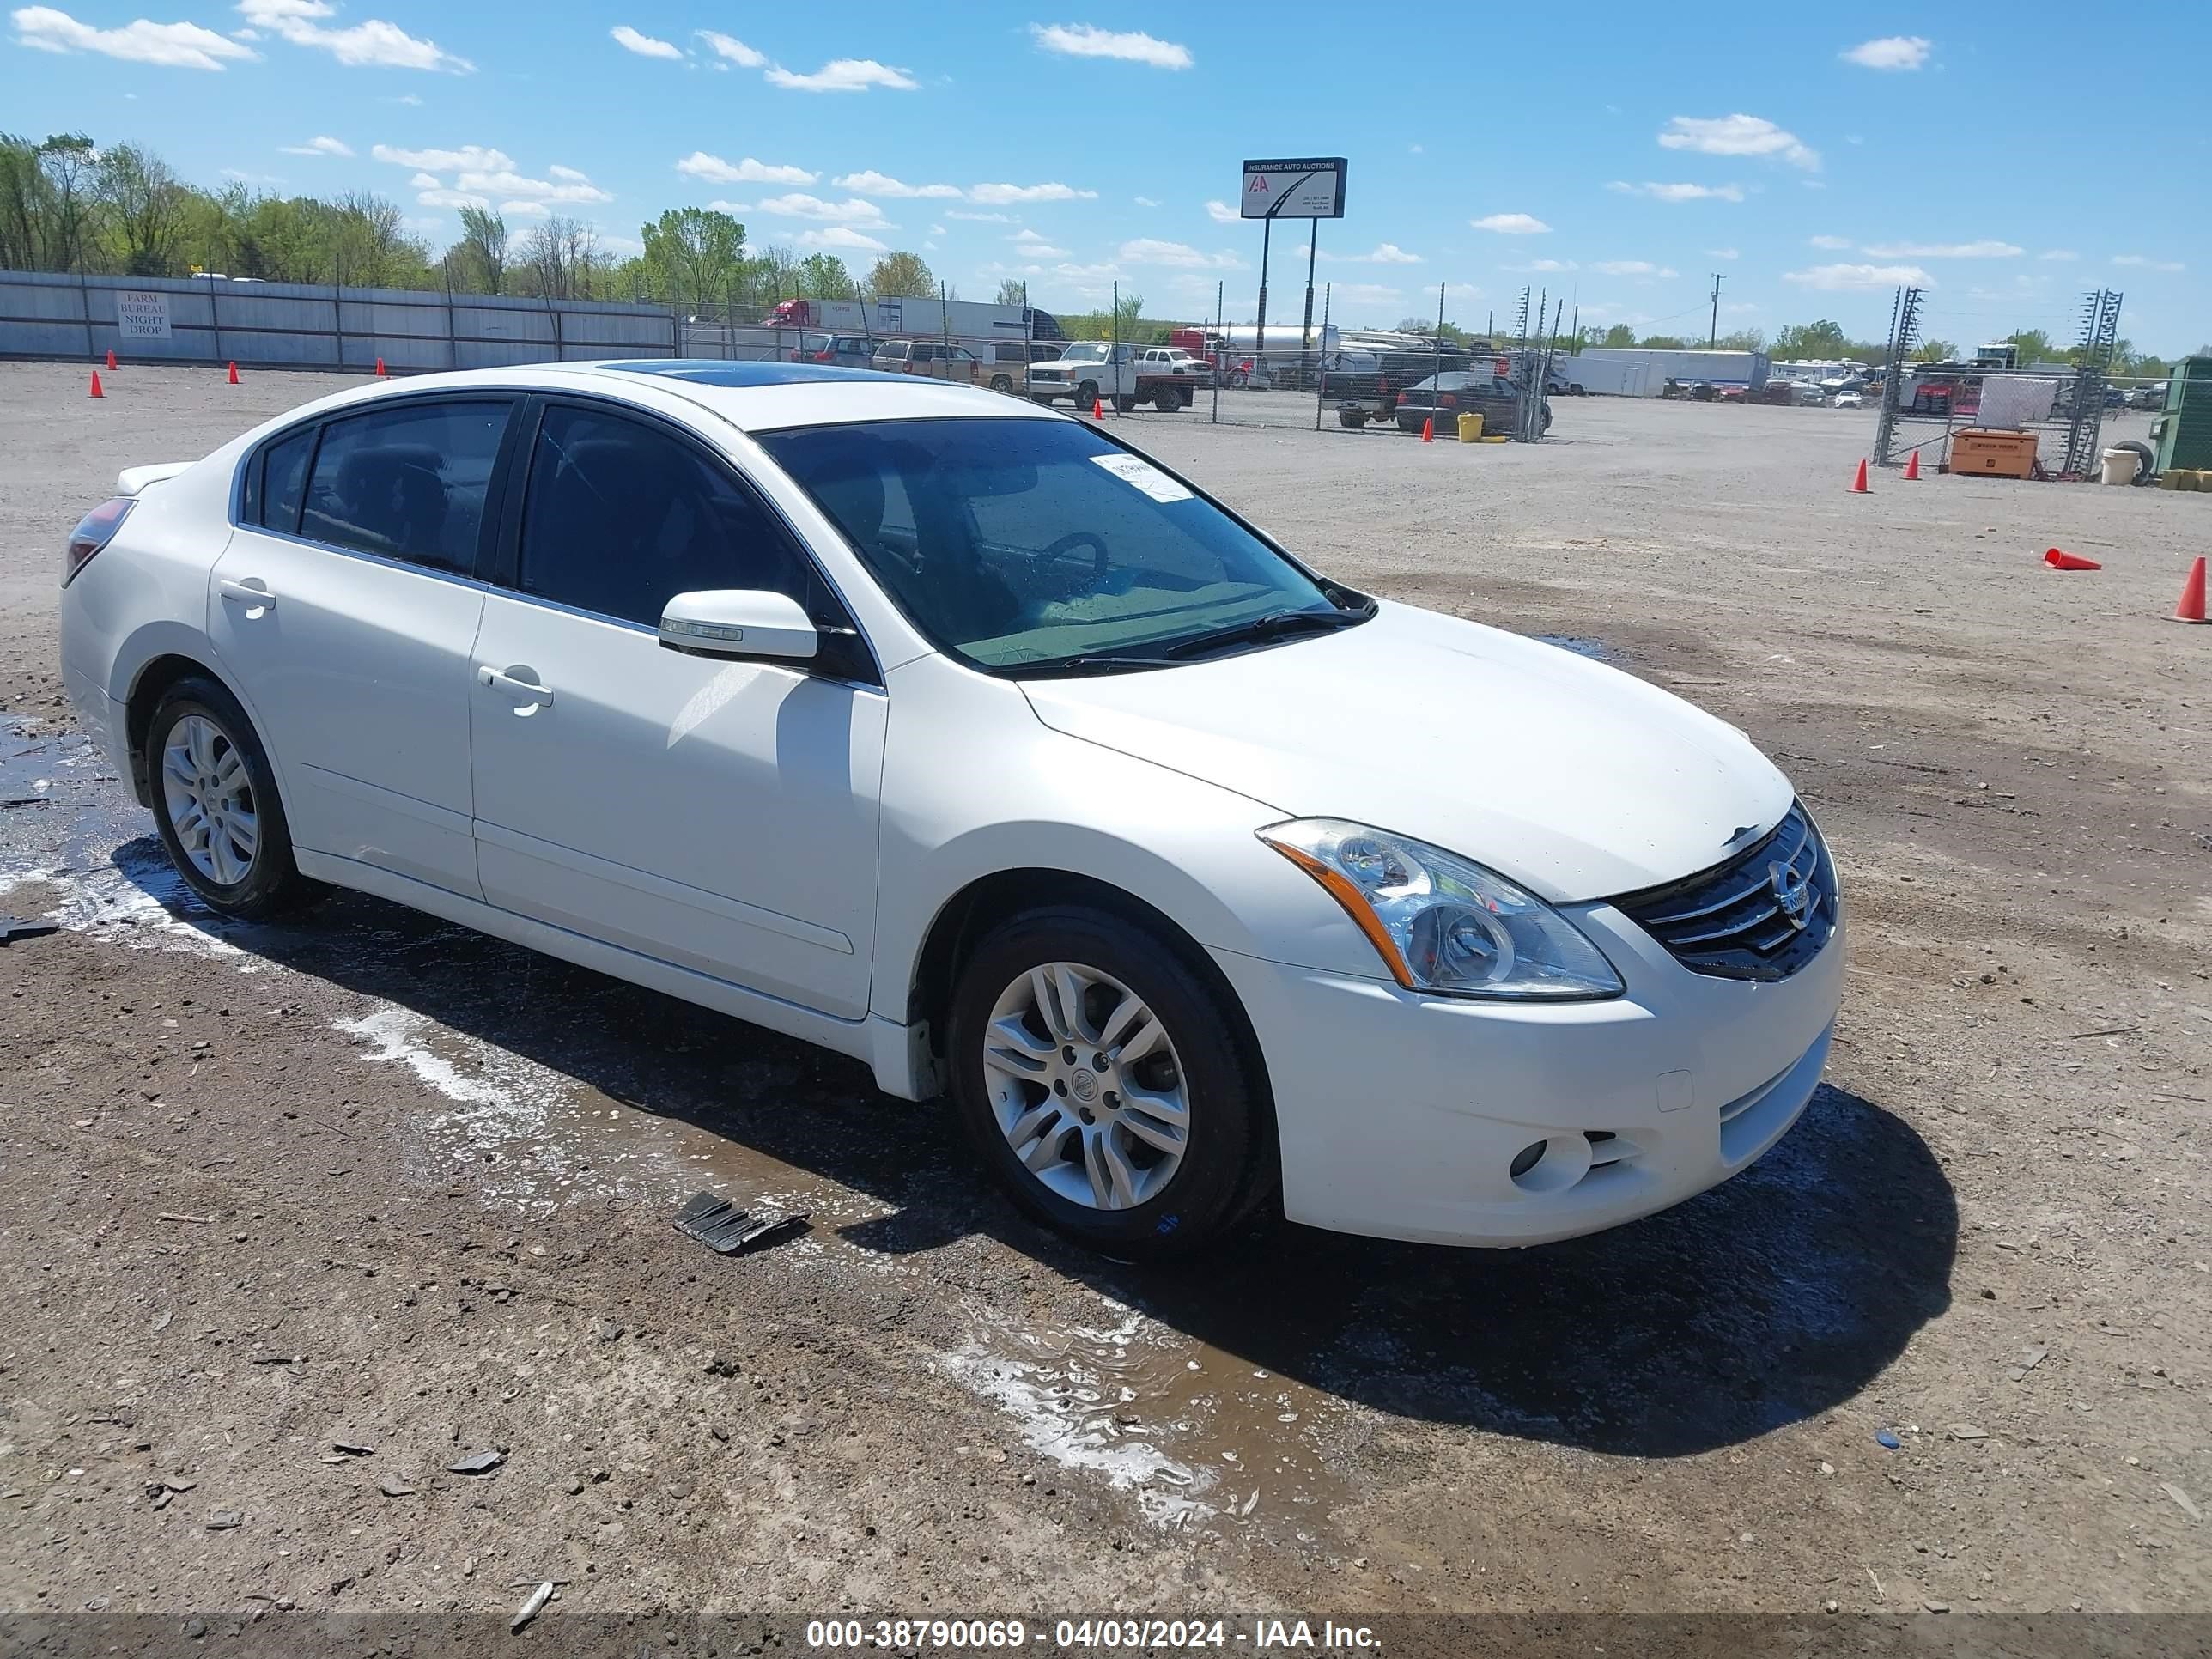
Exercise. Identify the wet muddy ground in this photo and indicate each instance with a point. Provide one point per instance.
(365, 1179)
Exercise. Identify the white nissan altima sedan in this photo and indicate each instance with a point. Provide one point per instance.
(955, 735)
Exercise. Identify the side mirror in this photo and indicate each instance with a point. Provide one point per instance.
(738, 624)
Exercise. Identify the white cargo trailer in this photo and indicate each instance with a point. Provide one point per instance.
(1607, 369)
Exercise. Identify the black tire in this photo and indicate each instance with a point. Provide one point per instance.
(1166, 401)
(1086, 396)
(1124, 401)
(272, 883)
(1351, 419)
(1228, 1167)
(2146, 458)
(1001, 383)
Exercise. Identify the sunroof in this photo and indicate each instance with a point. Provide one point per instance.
(710, 371)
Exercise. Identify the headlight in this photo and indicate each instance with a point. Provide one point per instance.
(1442, 923)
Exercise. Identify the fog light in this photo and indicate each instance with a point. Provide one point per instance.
(1527, 1159)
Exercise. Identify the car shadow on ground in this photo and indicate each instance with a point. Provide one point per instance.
(1771, 1299)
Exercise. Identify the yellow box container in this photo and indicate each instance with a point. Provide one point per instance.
(1470, 427)
(1494, 438)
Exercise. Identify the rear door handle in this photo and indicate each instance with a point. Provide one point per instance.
(250, 593)
(499, 681)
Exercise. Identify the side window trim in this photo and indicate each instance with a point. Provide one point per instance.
(506, 562)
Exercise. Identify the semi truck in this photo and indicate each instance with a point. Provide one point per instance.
(914, 319)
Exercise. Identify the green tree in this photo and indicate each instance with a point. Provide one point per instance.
(1743, 340)
(902, 276)
(2033, 344)
(1936, 351)
(694, 254)
(1663, 342)
(1620, 337)
(142, 205)
(1818, 340)
(1012, 292)
(824, 276)
(478, 260)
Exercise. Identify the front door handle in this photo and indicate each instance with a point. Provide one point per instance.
(251, 593)
(498, 680)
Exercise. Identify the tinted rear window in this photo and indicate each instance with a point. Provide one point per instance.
(407, 481)
(283, 483)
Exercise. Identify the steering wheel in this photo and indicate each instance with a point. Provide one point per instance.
(1100, 559)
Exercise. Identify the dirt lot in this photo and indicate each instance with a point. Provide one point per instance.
(370, 1180)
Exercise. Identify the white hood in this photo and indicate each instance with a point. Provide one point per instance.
(1573, 779)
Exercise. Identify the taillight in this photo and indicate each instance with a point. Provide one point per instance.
(1447, 400)
(93, 531)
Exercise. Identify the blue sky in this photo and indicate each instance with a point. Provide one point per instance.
(1814, 155)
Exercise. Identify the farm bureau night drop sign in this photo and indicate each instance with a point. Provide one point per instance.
(1309, 188)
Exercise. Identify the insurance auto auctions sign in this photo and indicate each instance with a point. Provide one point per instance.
(1311, 188)
(142, 315)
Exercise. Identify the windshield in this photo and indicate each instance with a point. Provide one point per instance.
(1018, 544)
(1093, 351)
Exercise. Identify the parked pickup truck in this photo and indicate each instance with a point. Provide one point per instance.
(1091, 372)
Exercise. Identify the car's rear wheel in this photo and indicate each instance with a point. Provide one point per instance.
(1107, 1085)
(1124, 401)
(1002, 383)
(217, 806)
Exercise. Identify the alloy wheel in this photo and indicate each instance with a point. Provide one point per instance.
(210, 796)
(1086, 1085)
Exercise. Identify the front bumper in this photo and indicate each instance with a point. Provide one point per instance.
(1400, 1115)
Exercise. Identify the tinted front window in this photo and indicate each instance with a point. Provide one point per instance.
(283, 483)
(621, 516)
(1016, 543)
(407, 481)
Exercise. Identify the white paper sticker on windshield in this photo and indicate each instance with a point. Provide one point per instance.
(1135, 469)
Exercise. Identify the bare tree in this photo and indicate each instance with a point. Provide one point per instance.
(560, 260)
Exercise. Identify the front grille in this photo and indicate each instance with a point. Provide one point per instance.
(1731, 921)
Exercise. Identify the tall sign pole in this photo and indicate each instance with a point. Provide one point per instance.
(1310, 188)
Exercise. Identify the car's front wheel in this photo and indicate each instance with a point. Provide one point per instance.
(1107, 1085)
(217, 806)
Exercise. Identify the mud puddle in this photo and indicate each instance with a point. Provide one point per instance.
(1595, 650)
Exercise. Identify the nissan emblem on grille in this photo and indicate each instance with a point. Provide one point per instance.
(1791, 893)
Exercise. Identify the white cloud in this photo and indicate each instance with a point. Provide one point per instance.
(715, 170)
(1737, 135)
(174, 46)
(317, 147)
(505, 181)
(2147, 263)
(842, 237)
(1544, 265)
(1053, 192)
(981, 218)
(412, 98)
(852, 211)
(469, 158)
(1221, 213)
(1145, 201)
(1087, 40)
(1356, 294)
(571, 174)
(1145, 251)
(1843, 278)
(719, 205)
(1680, 192)
(1632, 268)
(1830, 241)
(938, 230)
(1892, 51)
(1511, 224)
(525, 208)
(1385, 253)
(644, 45)
(729, 47)
(452, 198)
(1040, 250)
(1983, 250)
(1723, 253)
(2060, 255)
(374, 42)
(426, 181)
(882, 183)
(845, 74)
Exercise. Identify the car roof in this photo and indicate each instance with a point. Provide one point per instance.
(753, 397)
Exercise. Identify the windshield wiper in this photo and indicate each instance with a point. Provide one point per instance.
(1282, 625)
(1085, 664)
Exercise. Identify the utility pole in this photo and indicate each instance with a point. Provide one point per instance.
(1713, 336)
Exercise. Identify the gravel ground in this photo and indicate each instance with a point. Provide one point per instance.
(371, 1181)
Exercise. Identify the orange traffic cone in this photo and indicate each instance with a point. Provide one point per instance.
(96, 392)
(1429, 429)
(1859, 483)
(1912, 467)
(1097, 409)
(2191, 607)
(2062, 561)
(379, 369)
(111, 359)
(234, 373)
